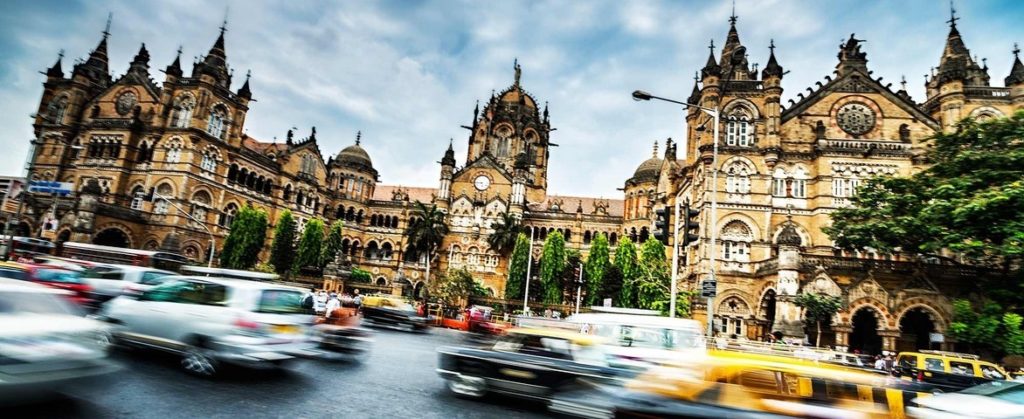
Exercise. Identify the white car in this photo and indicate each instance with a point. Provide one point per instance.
(643, 340)
(109, 281)
(992, 400)
(44, 345)
(210, 321)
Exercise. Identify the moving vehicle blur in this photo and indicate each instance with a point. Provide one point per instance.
(386, 310)
(22, 249)
(109, 281)
(993, 400)
(209, 321)
(950, 371)
(44, 345)
(79, 291)
(339, 334)
(123, 256)
(640, 338)
(733, 384)
(528, 363)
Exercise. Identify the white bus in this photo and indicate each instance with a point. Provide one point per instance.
(124, 256)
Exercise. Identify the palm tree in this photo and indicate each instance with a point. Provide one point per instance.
(506, 231)
(426, 232)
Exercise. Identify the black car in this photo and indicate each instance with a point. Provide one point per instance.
(391, 311)
(528, 363)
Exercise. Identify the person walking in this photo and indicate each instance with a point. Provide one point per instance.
(333, 304)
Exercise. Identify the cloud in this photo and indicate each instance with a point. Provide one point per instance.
(408, 74)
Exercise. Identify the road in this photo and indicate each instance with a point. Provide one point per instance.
(396, 381)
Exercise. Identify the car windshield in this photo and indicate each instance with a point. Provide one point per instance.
(1007, 391)
(58, 275)
(32, 303)
(13, 274)
(281, 301)
(649, 337)
(154, 277)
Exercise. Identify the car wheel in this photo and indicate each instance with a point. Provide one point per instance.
(468, 386)
(199, 361)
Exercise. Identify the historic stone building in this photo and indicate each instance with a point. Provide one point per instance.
(781, 171)
(118, 139)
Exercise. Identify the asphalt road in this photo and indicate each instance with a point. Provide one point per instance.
(396, 381)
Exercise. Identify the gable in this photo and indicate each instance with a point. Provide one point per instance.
(486, 162)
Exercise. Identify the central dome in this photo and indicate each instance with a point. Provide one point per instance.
(354, 155)
(648, 170)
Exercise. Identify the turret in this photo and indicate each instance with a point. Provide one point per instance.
(444, 190)
(57, 72)
(215, 64)
(173, 71)
(95, 69)
(140, 64)
(957, 70)
(1015, 81)
(244, 92)
(772, 77)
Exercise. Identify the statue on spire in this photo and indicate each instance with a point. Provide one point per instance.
(359, 137)
(518, 70)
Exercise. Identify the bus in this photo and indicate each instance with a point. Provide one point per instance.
(24, 248)
(124, 256)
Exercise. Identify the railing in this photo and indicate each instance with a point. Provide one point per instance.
(809, 263)
(864, 145)
(980, 91)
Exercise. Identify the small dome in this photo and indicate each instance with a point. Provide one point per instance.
(354, 155)
(648, 170)
(789, 236)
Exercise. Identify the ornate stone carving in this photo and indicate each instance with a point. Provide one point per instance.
(125, 103)
(856, 118)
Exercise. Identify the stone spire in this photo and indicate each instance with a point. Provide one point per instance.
(695, 94)
(734, 54)
(711, 68)
(956, 62)
(772, 69)
(57, 70)
(174, 69)
(96, 68)
(244, 92)
(140, 64)
(654, 152)
(1016, 72)
(449, 155)
(215, 63)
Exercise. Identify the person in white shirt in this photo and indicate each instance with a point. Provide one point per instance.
(880, 363)
(333, 304)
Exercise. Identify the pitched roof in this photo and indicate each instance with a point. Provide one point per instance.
(260, 146)
(570, 203)
(387, 193)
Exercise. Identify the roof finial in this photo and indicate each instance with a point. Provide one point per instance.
(1016, 50)
(771, 45)
(654, 154)
(60, 55)
(712, 46)
(359, 137)
(179, 51)
(518, 69)
(903, 82)
(733, 17)
(696, 77)
(106, 30)
(952, 15)
(224, 24)
(248, 74)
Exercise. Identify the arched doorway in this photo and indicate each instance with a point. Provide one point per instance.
(111, 237)
(768, 313)
(23, 230)
(916, 327)
(420, 290)
(62, 237)
(864, 337)
(381, 282)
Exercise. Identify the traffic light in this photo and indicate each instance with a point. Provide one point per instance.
(691, 229)
(662, 219)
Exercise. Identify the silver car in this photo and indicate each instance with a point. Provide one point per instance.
(210, 321)
(45, 345)
(109, 281)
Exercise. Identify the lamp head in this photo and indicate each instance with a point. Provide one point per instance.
(639, 95)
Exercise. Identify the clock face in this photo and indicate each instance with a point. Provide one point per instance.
(856, 118)
(482, 182)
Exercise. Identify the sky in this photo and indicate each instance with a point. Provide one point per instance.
(408, 73)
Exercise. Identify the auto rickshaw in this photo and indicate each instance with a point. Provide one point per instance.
(341, 335)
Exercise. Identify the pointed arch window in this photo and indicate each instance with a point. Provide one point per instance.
(173, 154)
(138, 197)
(57, 109)
(738, 131)
(228, 216)
(181, 116)
(737, 178)
(736, 238)
(217, 122)
(208, 163)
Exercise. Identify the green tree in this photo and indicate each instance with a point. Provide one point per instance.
(1013, 337)
(979, 327)
(244, 242)
(282, 250)
(970, 201)
(506, 232)
(311, 246)
(595, 268)
(455, 287)
(426, 231)
(626, 263)
(818, 308)
(333, 245)
(652, 281)
(611, 286)
(359, 275)
(552, 267)
(517, 268)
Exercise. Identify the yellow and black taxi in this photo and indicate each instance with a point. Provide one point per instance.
(949, 371)
(527, 363)
(388, 310)
(727, 384)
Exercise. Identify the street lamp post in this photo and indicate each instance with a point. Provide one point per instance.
(713, 112)
(21, 202)
(200, 223)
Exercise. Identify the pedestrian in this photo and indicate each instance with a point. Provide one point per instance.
(879, 363)
(358, 301)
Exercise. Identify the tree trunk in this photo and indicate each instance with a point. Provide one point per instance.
(817, 343)
(426, 279)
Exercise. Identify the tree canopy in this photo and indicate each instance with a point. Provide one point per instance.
(818, 308)
(552, 267)
(311, 245)
(516, 280)
(595, 268)
(455, 287)
(244, 242)
(333, 244)
(626, 265)
(282, 251)
(506, 231)
(969, 201)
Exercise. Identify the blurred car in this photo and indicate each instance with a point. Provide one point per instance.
(726, 384)
(527, 363)
(109, 281)
(209, 321)
(640, 341)
(44, 345)
(80, 291)
(994, 400)
(951, 371)
(392, 311)
(340, 336)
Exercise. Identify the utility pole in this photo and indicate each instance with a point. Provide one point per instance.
(529, 264)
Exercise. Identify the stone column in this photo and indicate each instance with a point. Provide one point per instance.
(85, 214)
(842, 336)
(889, 339)
(788, 318)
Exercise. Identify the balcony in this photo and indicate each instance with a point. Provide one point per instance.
(863, 146)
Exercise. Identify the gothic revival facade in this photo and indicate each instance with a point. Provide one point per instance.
(781, 171)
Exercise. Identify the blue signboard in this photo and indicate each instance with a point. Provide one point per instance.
(45, 186)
